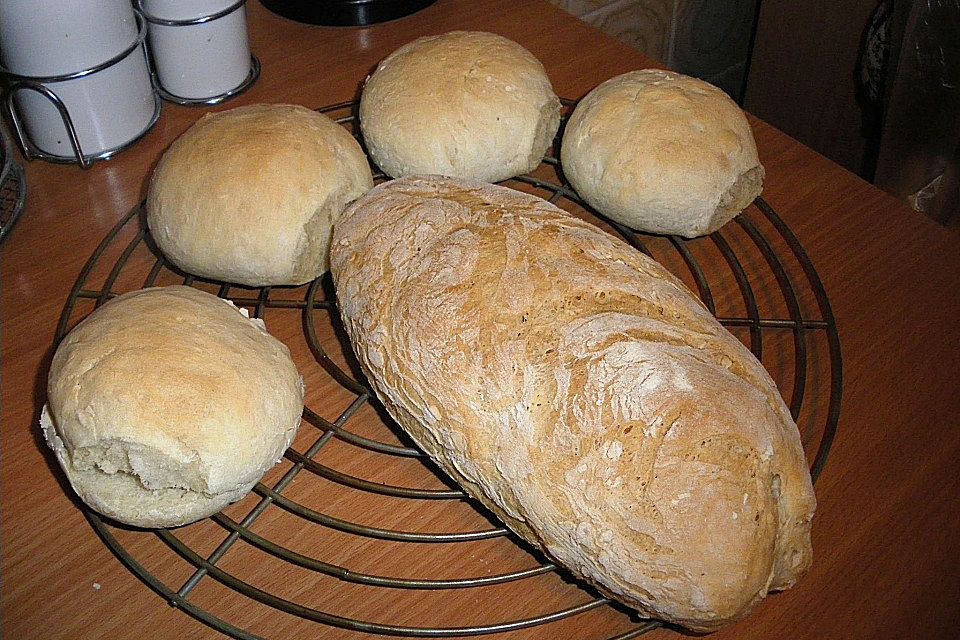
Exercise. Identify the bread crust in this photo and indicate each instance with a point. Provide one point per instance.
(250, 195)
(469, 104)
(580, 392)
(166, 404)
(662, 153)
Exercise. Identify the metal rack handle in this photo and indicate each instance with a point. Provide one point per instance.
(61, 77)
(18, 82)
(25, 145)
(217, 99)
(152, 19)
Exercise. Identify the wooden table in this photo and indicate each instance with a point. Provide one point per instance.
(886, 531)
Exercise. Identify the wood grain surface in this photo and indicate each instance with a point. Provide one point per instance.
(886, 532)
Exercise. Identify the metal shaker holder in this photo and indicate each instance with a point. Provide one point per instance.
(170, 97)
(17, 83)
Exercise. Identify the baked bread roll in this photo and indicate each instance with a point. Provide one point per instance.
(167, 404)
(250, 195)
(467, 104)
(662, 153)
(580, 392)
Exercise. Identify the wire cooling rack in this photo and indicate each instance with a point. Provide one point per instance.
(13, 186)
(330, 540)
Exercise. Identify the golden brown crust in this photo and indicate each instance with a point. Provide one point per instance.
(166, 404)
(663, 153)
(466, 103)
(580, 392)
(250, 195)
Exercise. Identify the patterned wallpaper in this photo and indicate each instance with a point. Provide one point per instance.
(702, 38)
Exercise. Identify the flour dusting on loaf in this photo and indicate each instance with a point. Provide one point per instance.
(580, 392)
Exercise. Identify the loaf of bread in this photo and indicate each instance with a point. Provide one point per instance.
(249, 195)
(167, 404)
(466, 103)
(580, 392)
(661, 152)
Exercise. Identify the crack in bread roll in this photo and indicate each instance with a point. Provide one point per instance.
(167, 404)
(466, 103)
(250, 195)
(580, 392)
(661, 152)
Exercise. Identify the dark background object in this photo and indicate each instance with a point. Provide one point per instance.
(706, 39)
(345, 13)
(807, 78)
(919, 150)
(802, 74)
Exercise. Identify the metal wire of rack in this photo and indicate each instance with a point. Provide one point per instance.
(13, 186)
(758, 239)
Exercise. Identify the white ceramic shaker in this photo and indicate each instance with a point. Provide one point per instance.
(90, 55)
(199, 49)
